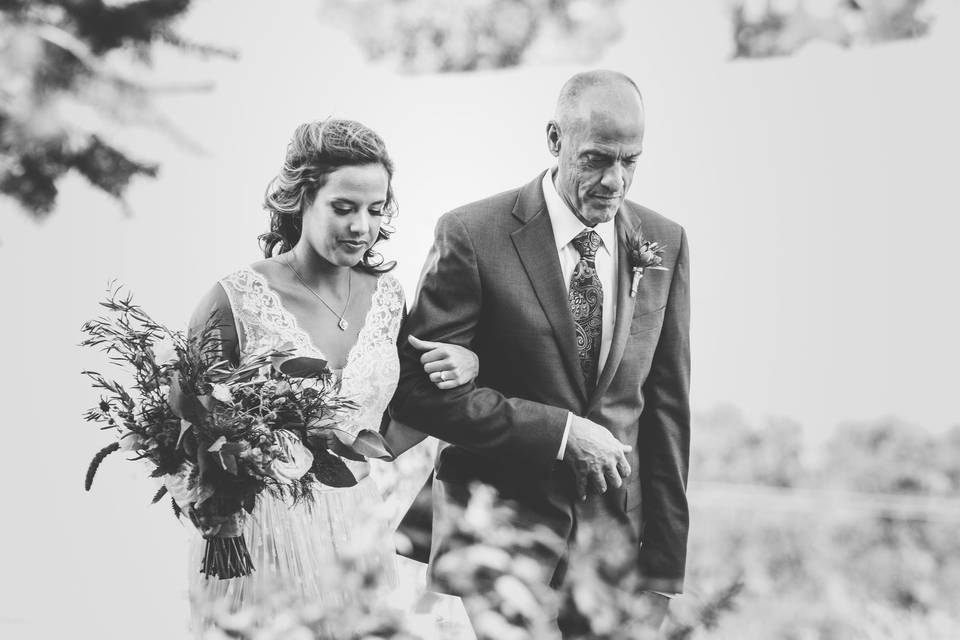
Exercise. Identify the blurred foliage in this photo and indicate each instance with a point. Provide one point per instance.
(602, 596)
(497, 568)
(68, 74)
(425, 36)
(835, 564)
(361, 610)
(730, 450)
(765, 28)
(833, 554)
(893, 457)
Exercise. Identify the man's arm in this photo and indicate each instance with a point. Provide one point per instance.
(448, 310)
(664, 440)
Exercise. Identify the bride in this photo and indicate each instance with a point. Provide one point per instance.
(322, 291)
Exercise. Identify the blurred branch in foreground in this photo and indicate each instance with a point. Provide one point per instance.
(64, 85)
(762, 28)
(426, 36)
(855, 539)
(493, 565)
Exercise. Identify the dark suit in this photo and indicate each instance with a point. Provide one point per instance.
(493, 283)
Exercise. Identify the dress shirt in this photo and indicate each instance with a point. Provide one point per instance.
(566, 227)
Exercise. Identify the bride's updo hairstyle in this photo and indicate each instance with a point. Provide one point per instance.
(316, 150)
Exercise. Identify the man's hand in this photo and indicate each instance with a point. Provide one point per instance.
(596, 457)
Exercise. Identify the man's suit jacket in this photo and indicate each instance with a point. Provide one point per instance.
(493, 283)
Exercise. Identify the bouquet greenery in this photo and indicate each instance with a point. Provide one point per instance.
(219, 434)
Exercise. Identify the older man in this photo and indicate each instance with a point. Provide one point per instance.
(580, 413)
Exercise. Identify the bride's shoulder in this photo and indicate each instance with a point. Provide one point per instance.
(214, 306)
(388, 285)
(216, 301)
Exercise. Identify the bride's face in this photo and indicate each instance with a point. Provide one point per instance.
(344, 219)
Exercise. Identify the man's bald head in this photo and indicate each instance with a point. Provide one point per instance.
(586, 89)
(597, 138)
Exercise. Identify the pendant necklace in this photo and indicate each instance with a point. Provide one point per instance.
(341, 321)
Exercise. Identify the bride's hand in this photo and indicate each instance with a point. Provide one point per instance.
(448, 365)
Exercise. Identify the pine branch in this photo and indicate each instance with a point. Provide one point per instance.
(97, 459)
(721, 603)
(174, 39)
(176, 508)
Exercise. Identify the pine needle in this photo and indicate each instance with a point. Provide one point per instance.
(162, 491)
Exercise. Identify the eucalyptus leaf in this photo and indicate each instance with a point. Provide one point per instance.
(228, 462)
(184, 405)
(184, 427)
(303, 367)
(332, 471)
(367, 443)
(326, 439)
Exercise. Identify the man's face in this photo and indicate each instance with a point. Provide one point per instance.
(597, 153)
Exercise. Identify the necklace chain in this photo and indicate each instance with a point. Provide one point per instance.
(341, 322)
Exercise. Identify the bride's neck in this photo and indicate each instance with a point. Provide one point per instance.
(314, 269)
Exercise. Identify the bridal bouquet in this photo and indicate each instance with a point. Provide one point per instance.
(219, 434)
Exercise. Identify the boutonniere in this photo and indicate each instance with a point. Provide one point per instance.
(644, 254)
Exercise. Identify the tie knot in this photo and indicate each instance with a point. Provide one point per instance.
(586, 243)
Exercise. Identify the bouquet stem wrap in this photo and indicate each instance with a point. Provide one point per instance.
(226, 554)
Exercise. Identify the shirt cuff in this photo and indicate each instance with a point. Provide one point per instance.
(566, 432)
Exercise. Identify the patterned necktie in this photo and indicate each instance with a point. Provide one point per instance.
(586, 303)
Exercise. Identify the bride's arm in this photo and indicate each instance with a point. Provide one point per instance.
(449, 366)
(215, 305)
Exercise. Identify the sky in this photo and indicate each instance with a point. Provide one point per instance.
(819, 194)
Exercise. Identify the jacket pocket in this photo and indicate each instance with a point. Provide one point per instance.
(647, 321)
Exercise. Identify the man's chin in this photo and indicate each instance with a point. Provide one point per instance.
(598, 215)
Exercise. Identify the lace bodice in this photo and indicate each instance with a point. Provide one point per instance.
(370, 375)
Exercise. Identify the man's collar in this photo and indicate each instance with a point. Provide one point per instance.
(566, 225)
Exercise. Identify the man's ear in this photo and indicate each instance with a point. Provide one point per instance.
(553, 138)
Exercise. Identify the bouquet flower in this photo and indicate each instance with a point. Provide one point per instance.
(219, 434)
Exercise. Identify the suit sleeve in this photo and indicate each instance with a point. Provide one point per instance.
(448, 309)
(664, 440)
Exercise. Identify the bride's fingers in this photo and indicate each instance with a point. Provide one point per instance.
(438, 366)
(446, 375)
(448, 379)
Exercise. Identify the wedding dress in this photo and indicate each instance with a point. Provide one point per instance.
(293, 545)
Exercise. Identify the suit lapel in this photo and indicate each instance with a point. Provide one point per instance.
(535, 244)
(626, 227)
